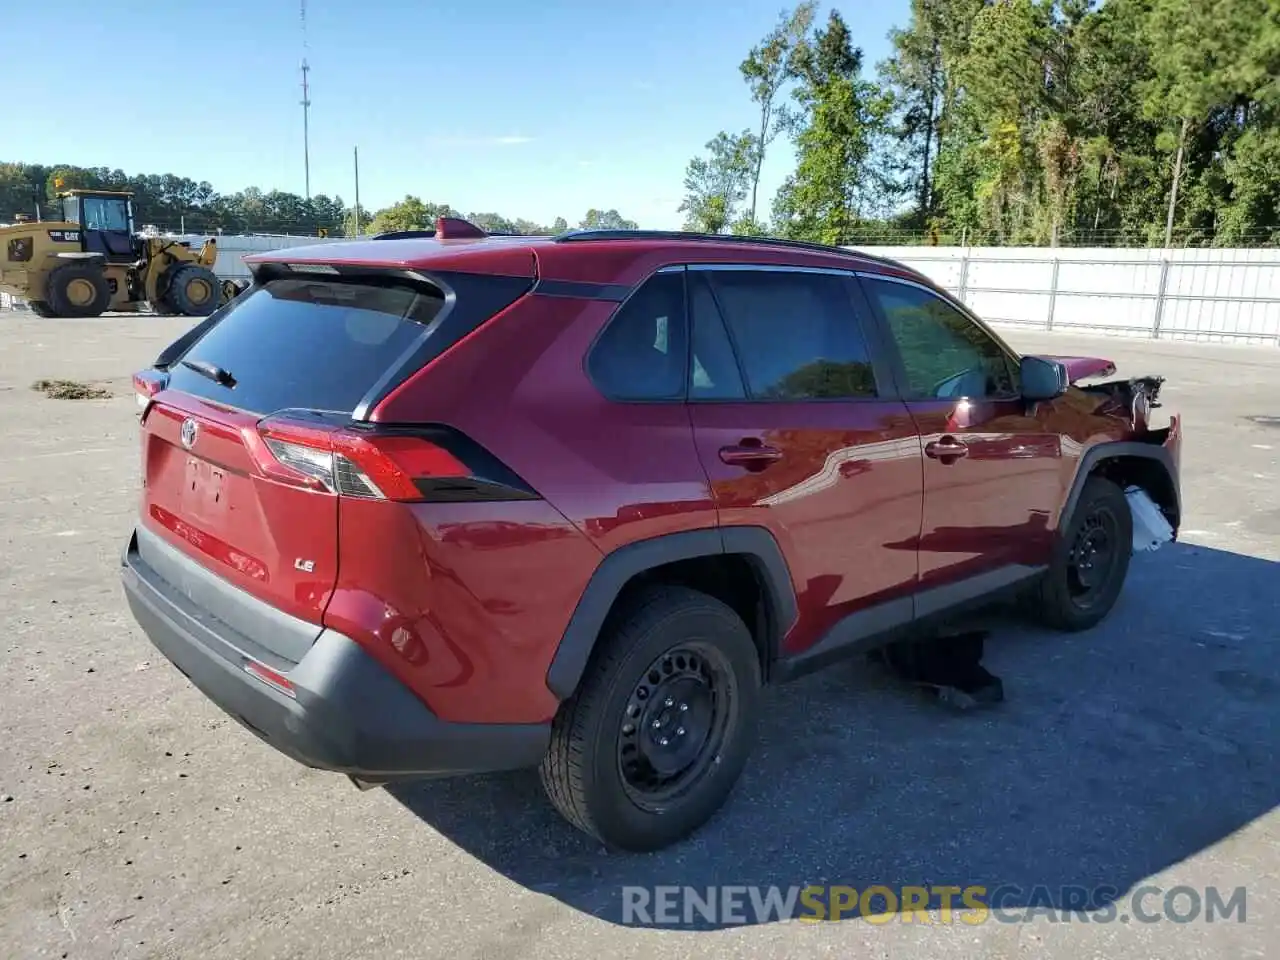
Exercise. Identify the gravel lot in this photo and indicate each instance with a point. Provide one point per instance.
(137, 821)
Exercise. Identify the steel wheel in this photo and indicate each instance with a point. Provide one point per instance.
(1090, 560)
(650, 744)
(674, 724)
(1093, 556)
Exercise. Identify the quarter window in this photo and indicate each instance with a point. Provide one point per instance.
(795, 333)
(944, 353)
(642, 353)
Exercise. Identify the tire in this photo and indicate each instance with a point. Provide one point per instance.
(674, 657)
(40, 308)
(1090, 561)
(232, 289)
(77, 290)
(194, 291)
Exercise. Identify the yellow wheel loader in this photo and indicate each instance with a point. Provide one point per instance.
(91, 261)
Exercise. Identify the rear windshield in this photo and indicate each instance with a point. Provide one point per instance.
(314, 343)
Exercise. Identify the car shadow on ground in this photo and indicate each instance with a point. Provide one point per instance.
(1117, 753)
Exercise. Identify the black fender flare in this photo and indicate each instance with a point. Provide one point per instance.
(617, 568)
(1115, 449)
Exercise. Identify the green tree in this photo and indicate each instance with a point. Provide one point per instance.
(767, 69)
(411, 213)
(715, 185)
(1209, 57)
(18, 192)
(842, 118)
(492, 223)
(606, 220)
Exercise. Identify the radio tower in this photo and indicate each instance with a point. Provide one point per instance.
(306, 104)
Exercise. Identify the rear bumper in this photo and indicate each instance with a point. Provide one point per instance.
(349, 715)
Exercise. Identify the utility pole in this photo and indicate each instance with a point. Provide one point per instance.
(355, 153)
(306, 128)
(306, 104)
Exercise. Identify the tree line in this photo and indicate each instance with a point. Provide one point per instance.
(1041, 122)
(172, 203)
(1012, 122)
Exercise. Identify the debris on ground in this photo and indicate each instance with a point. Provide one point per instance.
(70, 390)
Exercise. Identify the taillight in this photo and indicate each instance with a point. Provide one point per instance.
(146, 384)
(377, 466)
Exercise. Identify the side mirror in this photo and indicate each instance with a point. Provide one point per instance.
(1042, 379)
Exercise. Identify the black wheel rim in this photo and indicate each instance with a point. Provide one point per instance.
(675, 724)
(1095, 551)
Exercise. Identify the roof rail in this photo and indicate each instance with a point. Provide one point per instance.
(578, 236)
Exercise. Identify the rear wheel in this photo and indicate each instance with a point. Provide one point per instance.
(653, 741)
(194, 291)
(1090, 562)
(78, 290)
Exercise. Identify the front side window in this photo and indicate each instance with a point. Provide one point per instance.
(944, 353)
(796, 334)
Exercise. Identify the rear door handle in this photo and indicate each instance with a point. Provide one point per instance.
(751, 456)
(947, 450)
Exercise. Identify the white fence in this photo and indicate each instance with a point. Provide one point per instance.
(1205, 294)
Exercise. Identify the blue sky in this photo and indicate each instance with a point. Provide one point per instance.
(528, 110)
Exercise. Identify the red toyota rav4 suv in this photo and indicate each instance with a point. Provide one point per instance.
(437, 505)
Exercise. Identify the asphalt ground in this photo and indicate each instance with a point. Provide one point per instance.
(1127, 764)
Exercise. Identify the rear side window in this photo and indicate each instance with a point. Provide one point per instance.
(323, 344)
(715, 374)
(641, 354)
(796, 334)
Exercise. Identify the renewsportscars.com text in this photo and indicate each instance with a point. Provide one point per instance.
(729, 905)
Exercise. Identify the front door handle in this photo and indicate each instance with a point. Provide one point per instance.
(947, 450)
(751, 456)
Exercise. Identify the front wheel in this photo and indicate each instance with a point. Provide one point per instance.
(652, 743)
(1090, 561)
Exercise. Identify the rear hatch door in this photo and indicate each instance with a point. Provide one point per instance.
(224, 483)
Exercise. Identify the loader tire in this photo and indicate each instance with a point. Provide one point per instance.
(40, 308)
(78, 290)
(232, 289)
(194, 291)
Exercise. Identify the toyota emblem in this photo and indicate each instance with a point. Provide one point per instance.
(189, 431)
